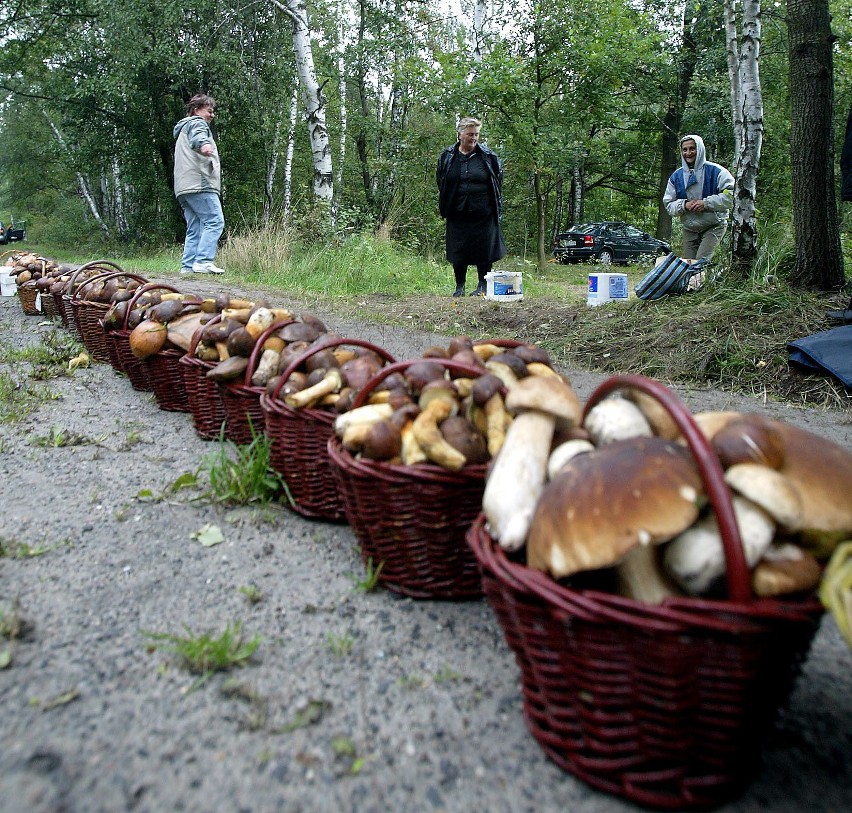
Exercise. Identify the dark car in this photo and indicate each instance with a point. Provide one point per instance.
(17, 231)
(607, 242)
(4, 235)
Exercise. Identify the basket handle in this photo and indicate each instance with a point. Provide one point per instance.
(402, 366)
(299, 360)
(75, 296)
(196, 337)
(99, 264)
(737, 572)
(258, 348)
(143, 289)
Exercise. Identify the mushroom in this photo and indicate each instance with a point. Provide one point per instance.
(613, 419)
(609, 506)
(330, 382)
(427, 431)
(519, 470)
(564, 452)
(486, 395)
(696, 558)
(371, 413)
(808, 494)
(785, 569)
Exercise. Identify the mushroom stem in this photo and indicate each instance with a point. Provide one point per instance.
(428, 435)
(517, 478)
(331, 382)
(640, 577)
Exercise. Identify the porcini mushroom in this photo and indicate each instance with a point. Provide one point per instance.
(615, 418)
(330, 382)
(519, 470)
(606, 504)
(696, 558)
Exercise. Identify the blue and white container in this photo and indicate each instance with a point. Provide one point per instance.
(605, 288)
(504, 286)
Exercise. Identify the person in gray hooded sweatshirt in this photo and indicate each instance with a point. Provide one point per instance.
(198, 186)
(701, 194)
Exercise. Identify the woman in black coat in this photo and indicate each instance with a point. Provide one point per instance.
(470, 198)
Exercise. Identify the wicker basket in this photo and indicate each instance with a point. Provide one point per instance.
(413, 519)
(88, 315)
(299, 440)
(48, 305)
(203, 395)
(82, 274)
(241, 400)
(30, 298)
(665, 705)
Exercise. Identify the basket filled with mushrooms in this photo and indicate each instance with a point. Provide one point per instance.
(314, 385)
(655, 576)
(410, 458)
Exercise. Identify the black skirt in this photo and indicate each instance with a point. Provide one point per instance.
(474, 239)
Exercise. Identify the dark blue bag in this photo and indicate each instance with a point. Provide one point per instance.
(671, 276)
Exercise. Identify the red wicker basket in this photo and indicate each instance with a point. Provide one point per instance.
(413, 519)
(203, 395)
(665, 705)
(30, 298)
(83, 273)
(241, 400)
(299, 443)
(48, 304)
(88, 316)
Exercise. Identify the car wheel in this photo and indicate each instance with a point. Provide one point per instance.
(605, 257)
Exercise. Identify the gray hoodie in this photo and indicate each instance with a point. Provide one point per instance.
(716, 205)
(195, 172)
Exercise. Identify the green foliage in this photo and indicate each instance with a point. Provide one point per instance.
(340, 645)
(205, 653)
(370, 581)
(242, 474)
(18, 399)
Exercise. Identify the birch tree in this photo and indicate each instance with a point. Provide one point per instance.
(743, 55)
(312, 98)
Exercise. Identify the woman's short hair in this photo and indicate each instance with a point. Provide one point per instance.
(198, 101)
(468, 121)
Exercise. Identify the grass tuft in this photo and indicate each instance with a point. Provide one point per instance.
(204, 654)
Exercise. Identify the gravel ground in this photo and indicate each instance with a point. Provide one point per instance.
(352, 702)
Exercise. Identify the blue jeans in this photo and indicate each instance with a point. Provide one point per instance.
(204, 225)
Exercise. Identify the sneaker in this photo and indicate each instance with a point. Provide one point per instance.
(459, 291)
(206, 268)
(479, 290)
(187, 269)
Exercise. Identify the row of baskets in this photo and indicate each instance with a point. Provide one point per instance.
(665, 705)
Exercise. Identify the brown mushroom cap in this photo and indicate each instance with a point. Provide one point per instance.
(749, 438)
(604, 503)
(810, 494)
(543, 394)
(465, 437)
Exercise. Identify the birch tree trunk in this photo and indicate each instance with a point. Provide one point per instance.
(341, 81)
(312, 98)
(271, 169)
(118, 198)
(819, 260)
(82, 183)
(746, 91)
(291, 147)
(732, 53)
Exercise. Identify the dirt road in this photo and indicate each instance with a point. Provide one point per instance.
(352, 701)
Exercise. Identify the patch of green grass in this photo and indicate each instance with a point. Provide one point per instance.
(340, 645)
(18, 400)
(242, 474)
(205, 653)
(49, 358)
(58, 438)
(370, 581)
(252, 593)
(13, 549)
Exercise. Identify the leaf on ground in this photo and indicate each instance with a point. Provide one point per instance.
(209, 535)
(5, 658)
(186, 480)
(146, 495)
(61, 699)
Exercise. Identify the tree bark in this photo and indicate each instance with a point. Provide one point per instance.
(748, 127)
(819, 261)
(312, 98)
(672, 120)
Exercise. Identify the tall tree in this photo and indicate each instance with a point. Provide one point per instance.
(819, 261)
(743, 51)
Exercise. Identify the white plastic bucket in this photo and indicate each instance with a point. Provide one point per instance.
(607, 288)
(7, 284)
(504, 286)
